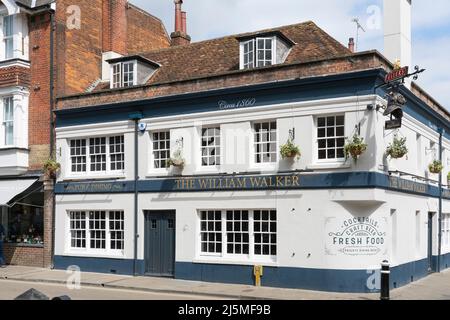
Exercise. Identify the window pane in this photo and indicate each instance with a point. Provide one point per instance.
(265, 233)
(211, 233)
(161, 149)
(265, 141)
(330, 134)
(211, 147)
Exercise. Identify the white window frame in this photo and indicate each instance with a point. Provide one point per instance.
(237, 258)
(7, 101)
(121, 84)
(152, 169)
(446, 232)
(93, 251)
(264, 165)
(216, 147)
(89, 173)
(8, 38)
(255, 51)
(316, 139)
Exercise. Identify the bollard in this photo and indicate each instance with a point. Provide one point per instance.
(385, 273)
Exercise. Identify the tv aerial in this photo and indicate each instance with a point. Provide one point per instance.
(358, 27)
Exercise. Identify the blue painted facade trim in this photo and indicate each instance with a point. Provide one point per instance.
(341, 180)
(342, 85)
(283, 277)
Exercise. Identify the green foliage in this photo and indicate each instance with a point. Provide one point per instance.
(397, 149)
(290, 150)
(355, 147)
(436, 167)
(51, 166)
(176, 160)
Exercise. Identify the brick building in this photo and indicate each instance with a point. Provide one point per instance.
(173, 163)
(49, 49)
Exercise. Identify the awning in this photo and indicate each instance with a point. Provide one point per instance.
(11, 188)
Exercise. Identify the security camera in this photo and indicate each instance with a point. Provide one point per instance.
(142, 127)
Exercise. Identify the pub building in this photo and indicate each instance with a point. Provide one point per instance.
(172, 164)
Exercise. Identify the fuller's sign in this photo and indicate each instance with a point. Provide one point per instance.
(397, 74)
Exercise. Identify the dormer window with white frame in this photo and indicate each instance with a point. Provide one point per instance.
(130, 71)
(263, 50)
(123, 75)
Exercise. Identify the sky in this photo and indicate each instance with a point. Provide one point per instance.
(207, 19)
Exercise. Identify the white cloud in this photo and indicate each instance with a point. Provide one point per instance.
(214, 18)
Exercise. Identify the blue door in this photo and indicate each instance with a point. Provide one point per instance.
(160, 243)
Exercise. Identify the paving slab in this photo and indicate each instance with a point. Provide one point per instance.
(434, 287)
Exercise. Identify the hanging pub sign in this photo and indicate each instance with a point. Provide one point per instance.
(397, 74)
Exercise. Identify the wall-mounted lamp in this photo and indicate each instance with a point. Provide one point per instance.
(292, 134)
(180, 142)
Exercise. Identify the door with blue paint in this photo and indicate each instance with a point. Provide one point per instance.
(160, 243)
(430, 242)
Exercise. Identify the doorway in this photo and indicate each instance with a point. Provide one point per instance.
(159, 243)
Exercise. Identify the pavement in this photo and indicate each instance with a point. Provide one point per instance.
(434, 287)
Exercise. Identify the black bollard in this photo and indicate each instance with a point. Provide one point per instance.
(385, 273)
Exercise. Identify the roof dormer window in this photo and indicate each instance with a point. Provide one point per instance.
(123, 74)
(263, 50)
(261, 57)
(130, 71)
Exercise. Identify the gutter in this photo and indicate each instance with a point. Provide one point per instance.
(136, 117)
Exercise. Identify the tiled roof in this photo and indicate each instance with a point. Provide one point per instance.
(221, 56)
(208, 58)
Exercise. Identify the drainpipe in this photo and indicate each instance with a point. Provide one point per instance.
(136, 117)
(52, 122)
(441, 133)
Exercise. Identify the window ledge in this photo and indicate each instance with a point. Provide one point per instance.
(94, 255)
(326, 166)
(235, 262)
(99, 178)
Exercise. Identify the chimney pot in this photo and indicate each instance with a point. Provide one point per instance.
(351, 44)
(179, 36)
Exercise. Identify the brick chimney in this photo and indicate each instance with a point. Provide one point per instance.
(351, 44)
(179, 36)
(115, 26)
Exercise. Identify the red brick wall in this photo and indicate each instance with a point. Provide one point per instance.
(145, 32)
(79, 51)
(24, 256)
(233, 79)
(14, 76)
(39, 105)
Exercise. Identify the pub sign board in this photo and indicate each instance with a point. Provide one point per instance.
(397, 74)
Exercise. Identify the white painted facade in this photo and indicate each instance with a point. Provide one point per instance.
(305, 218)
(13, 150)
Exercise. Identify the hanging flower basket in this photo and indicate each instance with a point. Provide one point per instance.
(436, 167)
(397, 149)
(176, 160)
(290, 151)
(355, 148)
(51, 167)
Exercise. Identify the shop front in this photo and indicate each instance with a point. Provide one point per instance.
(22, 216)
